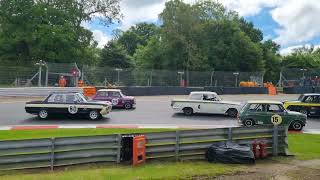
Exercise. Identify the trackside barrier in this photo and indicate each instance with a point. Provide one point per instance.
(89, 91)
(36, 91)
(175, 145)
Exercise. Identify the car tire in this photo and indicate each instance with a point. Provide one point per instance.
(127, 106)
(296, 125)
(188, 111)
(43, 114)
(94, 115)
(304, 111)
(248, 123)
(232, 112)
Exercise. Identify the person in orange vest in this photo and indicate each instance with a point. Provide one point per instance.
(80, 83)
(62, 82)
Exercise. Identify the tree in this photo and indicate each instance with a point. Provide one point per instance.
(114, 55)
(272, 60)
(50, 30)
(304, 57)
(137, 35)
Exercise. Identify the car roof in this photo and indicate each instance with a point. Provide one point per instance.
(203, 92)
(64, 92)
(109, 90)
(311, 94)
(264, 102)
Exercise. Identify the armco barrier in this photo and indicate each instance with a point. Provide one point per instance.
(301, 90)
(156, 90)
(36, 91)
(237, 90)
(176, 145)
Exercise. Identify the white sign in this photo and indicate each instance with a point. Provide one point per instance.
(276, 119)
(115, 101)
(73, 109)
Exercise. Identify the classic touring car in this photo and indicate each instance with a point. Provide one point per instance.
(205, 102)
(71, 104)
(116, 97)
(263, 112)
(308, 104)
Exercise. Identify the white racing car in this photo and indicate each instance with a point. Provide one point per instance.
(205, 102)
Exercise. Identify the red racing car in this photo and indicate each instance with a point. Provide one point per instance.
(116, 97)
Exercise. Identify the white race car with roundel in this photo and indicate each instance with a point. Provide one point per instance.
(205, 102)
(70, 104)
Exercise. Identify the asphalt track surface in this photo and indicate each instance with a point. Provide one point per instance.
(151, 110)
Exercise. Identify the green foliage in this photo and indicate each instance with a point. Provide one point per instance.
(114, 55)
(50, 30)
(272, 61)
(137, 35)
(302, 58)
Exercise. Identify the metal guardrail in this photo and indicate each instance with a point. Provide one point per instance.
(192, 144)
(178, 145)
(36, 91)
(23, 154)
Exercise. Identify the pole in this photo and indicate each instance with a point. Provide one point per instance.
(47, 75)
(151, 77)
(211, 83)
(118, 77)
(236, 80)
(39, 79)
(275, 141)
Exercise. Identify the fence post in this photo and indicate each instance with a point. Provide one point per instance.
(230, 134)
(275, 141)
(118, 148)
(52, 153)
(177, 145)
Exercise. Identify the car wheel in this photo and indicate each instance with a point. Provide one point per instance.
(248, 123)
(304, 111)
(232, 112)
(296, 125)
(43, 114)
(127, 106)
(188, 111)
(94, 115)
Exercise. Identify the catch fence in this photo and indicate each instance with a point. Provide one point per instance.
(48, 74)
(176, 145)
(299, 77)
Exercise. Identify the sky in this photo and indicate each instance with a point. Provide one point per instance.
(290, 23)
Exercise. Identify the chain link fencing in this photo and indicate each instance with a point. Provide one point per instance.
(299, 77)
(49, 74)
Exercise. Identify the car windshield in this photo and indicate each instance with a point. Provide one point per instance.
(301, 97)
(82, 97)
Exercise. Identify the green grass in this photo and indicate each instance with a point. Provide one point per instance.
(49, 133)
(305, 146)
(168, 170)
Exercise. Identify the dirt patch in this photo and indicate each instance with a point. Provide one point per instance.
(278, 170)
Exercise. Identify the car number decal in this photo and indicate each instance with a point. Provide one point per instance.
(72, 109)
(276, 119)
(115, 101)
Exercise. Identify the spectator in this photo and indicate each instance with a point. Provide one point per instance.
(62, 82)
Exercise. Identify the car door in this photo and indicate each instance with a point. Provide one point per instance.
(257, 112)
(56, 104)
(312, 103)
(115, 98)
(209, 105)
(72, 104)
(276, 109)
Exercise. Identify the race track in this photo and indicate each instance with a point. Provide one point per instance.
(153, 110)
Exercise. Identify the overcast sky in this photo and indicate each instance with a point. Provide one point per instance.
(291, 23)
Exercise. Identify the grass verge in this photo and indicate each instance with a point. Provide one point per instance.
(304, 146)
(155, 170)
